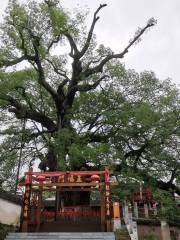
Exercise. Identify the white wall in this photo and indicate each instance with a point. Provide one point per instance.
(9, 213)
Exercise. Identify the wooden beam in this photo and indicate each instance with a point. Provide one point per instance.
(75, 173)
(65, 189)
(82, 184)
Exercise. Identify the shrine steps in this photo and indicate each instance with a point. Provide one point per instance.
(61, 236)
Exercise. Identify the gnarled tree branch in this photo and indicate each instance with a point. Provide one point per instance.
(74, 49)
(22, 111)
(99, 67)
(88, 87)
(88, 40)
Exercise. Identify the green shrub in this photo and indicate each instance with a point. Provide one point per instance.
(5, 229)
(150, 236)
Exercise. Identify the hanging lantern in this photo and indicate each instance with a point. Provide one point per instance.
(95, 178)
(41, 178)
(28, 179)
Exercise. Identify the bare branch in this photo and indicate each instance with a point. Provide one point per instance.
(52, 43)
(137, 152)
(40, 71)
(87, 87)
(92, 137)
(93, 122)
(99, 68)
(41, 133)
(74, 49)
(88, 40)
(59, 72)
(93, 62)
(173, 174)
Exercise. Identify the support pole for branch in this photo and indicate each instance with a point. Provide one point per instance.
(20, 154)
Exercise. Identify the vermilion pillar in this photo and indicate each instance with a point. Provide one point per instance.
(26, 201)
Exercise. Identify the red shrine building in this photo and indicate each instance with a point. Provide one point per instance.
(81, 201)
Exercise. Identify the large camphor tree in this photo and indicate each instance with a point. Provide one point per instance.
(71, 104)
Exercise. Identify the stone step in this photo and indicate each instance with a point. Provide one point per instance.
(61, 236)
(123, 234)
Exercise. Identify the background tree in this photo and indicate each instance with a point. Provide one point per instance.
(135, 126)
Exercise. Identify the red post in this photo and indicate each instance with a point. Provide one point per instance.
(107, 201)
(26, 201)
(39, 206)
(103, 210)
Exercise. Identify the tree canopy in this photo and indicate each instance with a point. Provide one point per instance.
(70, 103)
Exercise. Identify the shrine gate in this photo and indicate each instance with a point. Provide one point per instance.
(35, 215)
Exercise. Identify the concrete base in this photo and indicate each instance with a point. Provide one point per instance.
(62, 236)
(116, 223)
(165, 230)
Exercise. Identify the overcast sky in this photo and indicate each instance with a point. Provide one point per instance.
(159, 50)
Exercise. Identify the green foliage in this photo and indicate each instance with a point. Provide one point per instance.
(145, 115)
(5, 229)
(31, 24)
(64, 139)
(79, 154)
(150, 236)
(58, 19)
(169, 210)
(124, 190)
(47, 194)
(10, 81)
(127, 120)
